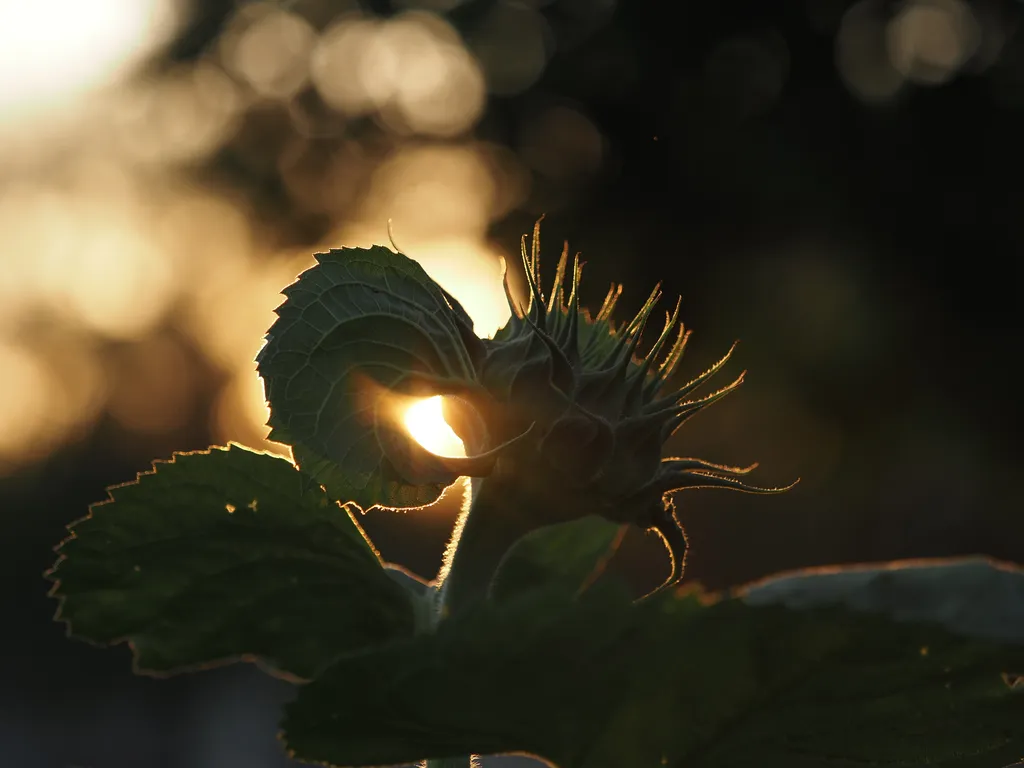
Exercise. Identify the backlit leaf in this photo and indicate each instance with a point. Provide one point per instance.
(357, 332)
(226, 553)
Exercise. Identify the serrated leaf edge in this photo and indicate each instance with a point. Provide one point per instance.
(50, 574)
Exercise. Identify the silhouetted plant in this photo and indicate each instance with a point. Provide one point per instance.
(523, 643)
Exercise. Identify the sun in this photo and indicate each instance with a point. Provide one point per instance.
(425, 421)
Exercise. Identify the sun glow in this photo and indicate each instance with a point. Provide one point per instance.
(54, 51)
(425, 421)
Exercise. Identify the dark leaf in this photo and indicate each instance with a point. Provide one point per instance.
(683, 681)
(226, 553)
(565, 556)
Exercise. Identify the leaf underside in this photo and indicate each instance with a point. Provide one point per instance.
(677, 681)
(358, 328)
(226, 553)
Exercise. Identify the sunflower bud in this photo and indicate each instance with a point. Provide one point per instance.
(561, 414)
(600, 412)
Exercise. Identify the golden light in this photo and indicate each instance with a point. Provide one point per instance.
(437, 87)
(337, 66)
(413, 70)
(425, 422)
(52, 51)
(178, 116)
(84, 253)
(471, 273)
(241, 412)
(432, 193)
(227, 320)
(269, 48)
(440, 201)
(110, 245)
(28, 388)
(53, 390)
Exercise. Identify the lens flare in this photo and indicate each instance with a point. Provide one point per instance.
(425, 421)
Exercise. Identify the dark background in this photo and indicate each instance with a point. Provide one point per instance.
(836, 185)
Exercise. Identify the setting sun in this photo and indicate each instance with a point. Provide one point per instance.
(425, 422)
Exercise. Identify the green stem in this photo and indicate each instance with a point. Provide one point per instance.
(491, 524)
(487, 528)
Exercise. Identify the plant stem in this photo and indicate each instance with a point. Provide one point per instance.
(491, 524)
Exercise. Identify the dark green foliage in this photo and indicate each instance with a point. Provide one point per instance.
(226, 553)
(566, 556)
(599, 682)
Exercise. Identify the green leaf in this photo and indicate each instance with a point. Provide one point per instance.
(225, 553)
(564, 556)
(487, 681)
(975, 597)
(681, 680)
(361, 327)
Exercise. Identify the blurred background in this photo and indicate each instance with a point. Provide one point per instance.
(836, 184)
